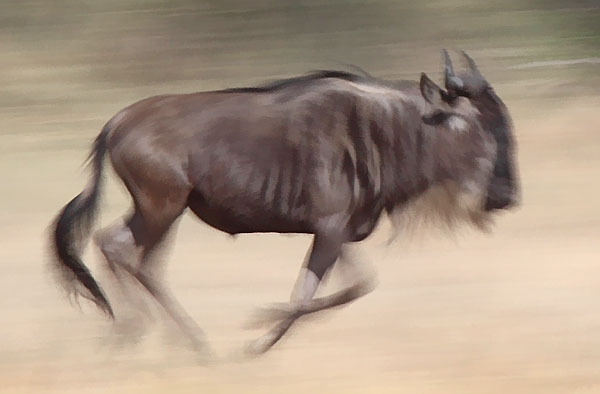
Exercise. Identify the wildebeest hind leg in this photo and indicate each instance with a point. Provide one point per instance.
(133, 247)
(119, 248)
(152, 236)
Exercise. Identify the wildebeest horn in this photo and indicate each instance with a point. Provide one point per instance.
(451, 81)
(473, 67)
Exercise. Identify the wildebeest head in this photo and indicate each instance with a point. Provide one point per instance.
(503, 189)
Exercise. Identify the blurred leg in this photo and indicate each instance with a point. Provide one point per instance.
(323, 255)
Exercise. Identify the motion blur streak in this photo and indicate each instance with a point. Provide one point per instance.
(514, 312)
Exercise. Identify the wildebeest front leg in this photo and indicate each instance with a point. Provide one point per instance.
(323, 255)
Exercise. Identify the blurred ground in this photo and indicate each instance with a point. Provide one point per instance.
(514, 312)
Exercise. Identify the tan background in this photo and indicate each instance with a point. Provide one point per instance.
(514, 312)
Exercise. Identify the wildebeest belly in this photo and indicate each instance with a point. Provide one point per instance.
(248, 220)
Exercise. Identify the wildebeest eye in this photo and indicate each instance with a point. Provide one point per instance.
(449, 97)
(435, 118)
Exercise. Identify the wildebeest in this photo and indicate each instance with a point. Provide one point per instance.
(324, 154)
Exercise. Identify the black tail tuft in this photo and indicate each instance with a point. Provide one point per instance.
(73, 227)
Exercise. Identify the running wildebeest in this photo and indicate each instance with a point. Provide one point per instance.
(324, 154)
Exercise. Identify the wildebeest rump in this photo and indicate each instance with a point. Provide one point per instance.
(324, 154)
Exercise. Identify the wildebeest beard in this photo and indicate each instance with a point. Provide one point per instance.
(455, 188)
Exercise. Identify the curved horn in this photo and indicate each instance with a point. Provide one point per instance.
(470, 61)
(451, 81)
(472, 66)
(447, 63)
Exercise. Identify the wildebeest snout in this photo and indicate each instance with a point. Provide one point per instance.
(502, 194)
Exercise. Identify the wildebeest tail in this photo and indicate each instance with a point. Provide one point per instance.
(72, 230)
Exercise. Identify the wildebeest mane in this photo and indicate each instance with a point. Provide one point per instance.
(303, 80)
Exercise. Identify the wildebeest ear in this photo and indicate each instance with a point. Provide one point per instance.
(430, 91)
